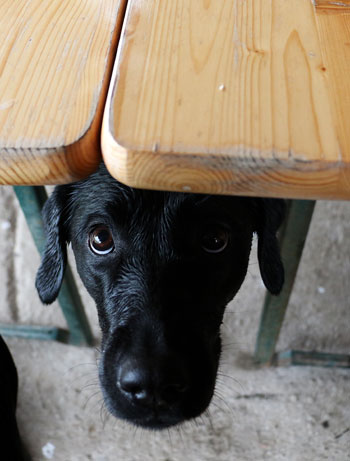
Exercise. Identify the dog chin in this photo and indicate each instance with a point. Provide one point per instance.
(153, 420)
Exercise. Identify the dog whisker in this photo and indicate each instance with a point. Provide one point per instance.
(230, 346)
(92, 396)
(215, 404)
(104, 415)
(232, 385)
(218, 400)
(169, 437)
(74, 367)
(99, 402)
(76, 380)
(234, 380)
(87, 386)
(179, 431)
(200, 421)
(210, 419)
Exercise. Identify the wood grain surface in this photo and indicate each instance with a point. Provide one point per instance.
(232, 97)
(56, 59)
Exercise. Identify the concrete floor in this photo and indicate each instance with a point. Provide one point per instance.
(275, 414)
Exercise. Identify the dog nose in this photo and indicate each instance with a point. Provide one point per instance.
(149, 388)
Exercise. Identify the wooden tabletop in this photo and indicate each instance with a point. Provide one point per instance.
(229, 96)
(56, 58)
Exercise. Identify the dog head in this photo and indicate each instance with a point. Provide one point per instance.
(161, 268)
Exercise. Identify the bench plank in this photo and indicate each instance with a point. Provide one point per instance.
(56, 59)
(233, 97)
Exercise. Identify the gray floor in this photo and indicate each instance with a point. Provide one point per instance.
(297, 413)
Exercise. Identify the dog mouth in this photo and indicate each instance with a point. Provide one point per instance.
(156, 414)
(148, 417)
(153, 419)
(157, 422)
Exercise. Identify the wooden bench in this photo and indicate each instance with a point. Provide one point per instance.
(226, 97)
(237, 97)
(55, 65)
(232, 97)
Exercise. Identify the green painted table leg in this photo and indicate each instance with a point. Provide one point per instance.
(292, 240)
(73, 310)
(35, 332)
(312, 358)
(31, 199)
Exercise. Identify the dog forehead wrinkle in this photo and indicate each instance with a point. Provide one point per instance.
(131, 283)
(124, 308)
(151, 224)
(100, 192)
(136, 294)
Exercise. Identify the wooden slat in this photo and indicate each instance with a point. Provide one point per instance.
(333, 20)
(55, 64)
(229, 96)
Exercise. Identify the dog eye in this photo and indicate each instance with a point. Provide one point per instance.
(215, 240)
(101, 240)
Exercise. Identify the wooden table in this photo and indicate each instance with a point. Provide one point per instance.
(232, 97)
(56, 59)
(247, 97)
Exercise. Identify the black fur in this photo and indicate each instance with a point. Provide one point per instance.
(11, 444)
(160, 296)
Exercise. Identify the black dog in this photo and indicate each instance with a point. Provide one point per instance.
(10, 441)
(161, 268)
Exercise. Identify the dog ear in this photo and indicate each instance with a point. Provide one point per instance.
(54, 258)
(271, 214)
